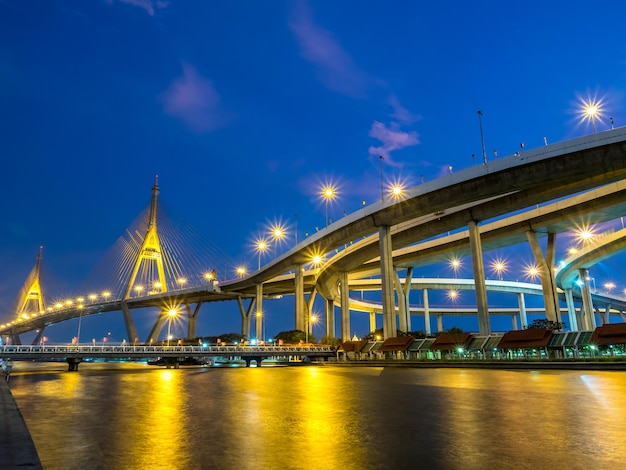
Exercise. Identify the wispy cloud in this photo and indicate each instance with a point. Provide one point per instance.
(392, 138)
(150, 6)
(400, 113)
(335, 67)
(193, 99)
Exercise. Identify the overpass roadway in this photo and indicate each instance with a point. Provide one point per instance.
(478, 193)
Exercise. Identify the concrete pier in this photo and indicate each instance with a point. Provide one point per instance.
(17, 449)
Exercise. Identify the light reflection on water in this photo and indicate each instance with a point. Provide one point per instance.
(135, 416)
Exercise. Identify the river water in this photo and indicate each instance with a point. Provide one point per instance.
(134, 416)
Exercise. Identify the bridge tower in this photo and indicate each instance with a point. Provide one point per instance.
(30, 298)
(150, 253)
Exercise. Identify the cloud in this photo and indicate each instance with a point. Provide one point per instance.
(336, 69)
(400, 113)
(392, 138)
(193, 100)
(150, 6)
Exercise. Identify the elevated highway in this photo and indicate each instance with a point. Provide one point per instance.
(398, 234)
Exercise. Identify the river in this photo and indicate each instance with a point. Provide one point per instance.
(134, 416)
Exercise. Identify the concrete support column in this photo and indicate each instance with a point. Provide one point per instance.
(299, 301)
(192, 318)
(402, 303)
(605, 317)
(245, 316)
(372, 320)
(588, 317)
(514, 321)
(386, 274)
(426, 314)
(330, 318)
(345, 307)
(571, 310)
(439, 323)
(479, 278)
(547, 276)
(521, 302)
(551, 261)
(258, 317)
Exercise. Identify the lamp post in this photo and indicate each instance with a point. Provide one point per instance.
(277, 232)
(309, 326)
(80, 318)
(171, 314)
(261, 246)
(382, 192)
(482, 137)
(328, 194)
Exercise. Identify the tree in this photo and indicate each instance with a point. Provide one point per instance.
(331, 341)
(232, 338)
(377, 335)
(544, 324)
(294, 336)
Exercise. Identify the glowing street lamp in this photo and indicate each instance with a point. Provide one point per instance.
(591, 110)
(261, 246)
(106, 294)
(455, 264)
(532, 272)
(328, 194)
(453, 295)
(609, 286)
(499, 266)
(396, 191)
(309, 327)
(181, 282)
(170, 314)
(138, 289)
(241, 271)
(277, 232)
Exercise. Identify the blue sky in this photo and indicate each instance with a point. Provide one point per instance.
(246, 108)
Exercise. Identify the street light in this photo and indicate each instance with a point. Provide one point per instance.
(80, 318)
(277, 232)
(328, 194)
(171, 314)
(241, 271)
(455, 264)
(591, 110)
(309, 326)
(261, 246)
(499, 266)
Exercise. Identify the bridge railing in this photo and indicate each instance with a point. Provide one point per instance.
(152, 350)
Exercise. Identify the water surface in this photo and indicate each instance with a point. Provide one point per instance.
(133, 416)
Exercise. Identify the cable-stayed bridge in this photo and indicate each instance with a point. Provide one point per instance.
(524, 197)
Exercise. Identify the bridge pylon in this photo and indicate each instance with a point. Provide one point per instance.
(150, 253)
(30, 299)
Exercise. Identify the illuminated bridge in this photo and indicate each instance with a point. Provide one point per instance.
(528, 197)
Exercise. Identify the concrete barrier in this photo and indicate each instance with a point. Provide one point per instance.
(17, 449)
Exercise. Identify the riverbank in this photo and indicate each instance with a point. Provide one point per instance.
(485, 364)
(17, 449)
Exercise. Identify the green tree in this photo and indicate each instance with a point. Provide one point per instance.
(294, 336)
(232, 338)
(330, 340)
(544, 324)
(376, 335)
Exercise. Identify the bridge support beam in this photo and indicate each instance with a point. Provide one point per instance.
(587, 315)
(131, 329)
(72, 363)
(521, 302)
(386, 273)
(299, 298)
(245, 316)
(345, 306)
(479, 278)
(158, 326)
(373, 320)
(571, 310)
(403, 292)
(258, 317)
(546, 268)
(330, 318)
(192, 319)
(427, 327)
